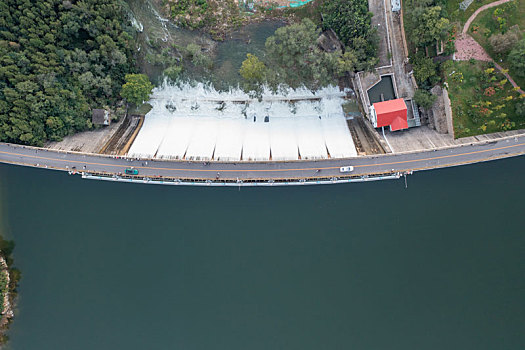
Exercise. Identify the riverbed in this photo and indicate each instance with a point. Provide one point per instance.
(364, 266)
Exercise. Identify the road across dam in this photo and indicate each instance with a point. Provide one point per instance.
(259, 173)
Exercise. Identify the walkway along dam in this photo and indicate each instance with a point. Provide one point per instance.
(267, 173)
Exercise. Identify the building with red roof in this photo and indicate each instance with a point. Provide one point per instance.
(391, 113)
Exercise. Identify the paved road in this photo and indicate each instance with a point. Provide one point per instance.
(264, 171)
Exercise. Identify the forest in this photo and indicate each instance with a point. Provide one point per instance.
(296, 59)
(58, 60)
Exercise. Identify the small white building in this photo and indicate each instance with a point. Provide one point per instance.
(396, 5)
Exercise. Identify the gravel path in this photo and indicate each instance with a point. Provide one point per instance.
(467, 48)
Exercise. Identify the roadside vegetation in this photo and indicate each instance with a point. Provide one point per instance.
(482, 99)
(58, 60)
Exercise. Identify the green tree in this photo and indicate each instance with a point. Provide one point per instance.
(428, 25)
(517, 58)
(424, 98)
(348, 18)
(252, 69)
(136, 89)
(347, 62)
(296, 59)
(351, 21)
(424, 70)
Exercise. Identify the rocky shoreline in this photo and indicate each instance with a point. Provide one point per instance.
(7, 310)
(9, 279)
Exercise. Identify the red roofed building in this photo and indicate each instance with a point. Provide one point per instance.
(391, 113)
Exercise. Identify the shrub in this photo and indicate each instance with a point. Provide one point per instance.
(173, 72)
(425, 70)
(517, 58)
(252, 69)
(503, 43)
(424, 98)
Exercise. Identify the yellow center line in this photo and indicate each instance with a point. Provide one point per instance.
(263, 170)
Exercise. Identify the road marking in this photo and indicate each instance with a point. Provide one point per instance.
(467, 162)
(261, 170)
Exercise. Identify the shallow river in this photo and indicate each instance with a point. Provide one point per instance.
(439, 265)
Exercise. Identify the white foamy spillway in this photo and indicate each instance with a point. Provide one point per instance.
(200, 123)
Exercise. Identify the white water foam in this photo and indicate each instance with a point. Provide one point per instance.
(197, 122)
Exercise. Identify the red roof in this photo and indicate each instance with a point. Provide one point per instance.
(392, 113)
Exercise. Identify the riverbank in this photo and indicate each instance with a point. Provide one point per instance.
(9, 277)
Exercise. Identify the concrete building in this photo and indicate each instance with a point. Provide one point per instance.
(392, 113)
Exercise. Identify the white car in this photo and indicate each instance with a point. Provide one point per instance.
(346, 169)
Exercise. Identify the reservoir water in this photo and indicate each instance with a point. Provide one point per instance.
(439, 265)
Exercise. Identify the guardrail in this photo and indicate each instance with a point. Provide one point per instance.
(160, 180)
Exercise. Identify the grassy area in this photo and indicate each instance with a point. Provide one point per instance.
(141, 110)
(486, 24)
(457, 15)
(482, 100)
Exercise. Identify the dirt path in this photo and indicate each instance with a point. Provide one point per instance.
(467, 47)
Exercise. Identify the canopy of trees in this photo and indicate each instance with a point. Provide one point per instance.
(426, 22)
(428, 26)
(293, 58)
(137, 88)
(517, 58)
(424, 98)
(351, 21)
(59, 59)
(425, 70)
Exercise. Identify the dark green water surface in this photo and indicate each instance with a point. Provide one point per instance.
(440, 265)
